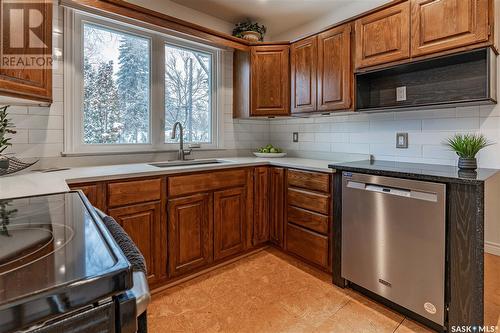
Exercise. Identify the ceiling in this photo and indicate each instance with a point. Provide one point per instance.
(277, 15)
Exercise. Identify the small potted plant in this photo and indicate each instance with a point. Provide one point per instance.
(5, 215)
(250, 31)
(467, 146)
(5, 129)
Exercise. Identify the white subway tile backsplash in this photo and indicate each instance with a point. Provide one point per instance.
(46, 136)
(450, 124)
(37, 122)
(438, 152)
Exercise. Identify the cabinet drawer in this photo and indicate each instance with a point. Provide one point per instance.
(131, 192)
(307, 219)
(203, 182)
(310, 180)
(307, 244)
(319, 203)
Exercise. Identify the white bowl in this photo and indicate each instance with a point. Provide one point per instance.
(269, 154)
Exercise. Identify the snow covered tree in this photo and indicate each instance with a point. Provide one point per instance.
(133, 86)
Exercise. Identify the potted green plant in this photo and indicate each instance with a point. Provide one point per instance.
(5, 129)
(467, 146)
(249, 30)
(5, 215)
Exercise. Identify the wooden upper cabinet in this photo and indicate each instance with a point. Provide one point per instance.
(303, 70)
(335, 76)
(229, 222)
(439, 25)
(383, 36)
(24, 79)
(190, 233)
(143, 224)
(270, 87)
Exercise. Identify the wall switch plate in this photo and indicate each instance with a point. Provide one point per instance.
(401, 94)
(295, 137)
(402, 140)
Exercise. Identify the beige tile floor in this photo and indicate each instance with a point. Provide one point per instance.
(272, 292)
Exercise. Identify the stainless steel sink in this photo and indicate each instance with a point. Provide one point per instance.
(170, 164)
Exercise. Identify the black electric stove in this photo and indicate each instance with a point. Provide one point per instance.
(57, 258)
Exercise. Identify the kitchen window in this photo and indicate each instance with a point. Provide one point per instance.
(127, 85)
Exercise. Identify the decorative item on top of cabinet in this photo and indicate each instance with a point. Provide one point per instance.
(142, 223)
(261, 205)
(439, 25)
(383, 36)
(303, 64)
(277, 206)
(190, 233)
(28, 73)
(230, 222)
(261, 82)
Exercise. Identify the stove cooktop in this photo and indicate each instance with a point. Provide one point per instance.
(55, 256)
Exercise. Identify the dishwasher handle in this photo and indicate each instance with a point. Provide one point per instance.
(399, 192)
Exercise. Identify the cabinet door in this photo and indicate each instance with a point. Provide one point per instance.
(261, 205)
(229, 222)
(303, 63)
(270, 87)
(383, 36)
(277, 207)
(190, 226)
(439, 25)
(93, 192)
(143, 224)
(19, 77)
(334, 69)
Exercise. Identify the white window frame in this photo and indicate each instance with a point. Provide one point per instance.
(73, 86)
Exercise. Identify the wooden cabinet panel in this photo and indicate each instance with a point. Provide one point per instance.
(143, 224)
(307, 219)
(335, 75)
(131, 192)
(303, 63)
(317, 202)
(190, 234)
(203, 182)
(309, 180)
(270, 87)
(383, 36)
(94, 193)
(29, 81)
(229, 222)
(308, 245)
(439, 25)
(277, 205)
(261, 205)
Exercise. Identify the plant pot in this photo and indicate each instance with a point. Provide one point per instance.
(4, 163)
(467, 163)
(251, 36)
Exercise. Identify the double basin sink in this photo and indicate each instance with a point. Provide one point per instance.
(177, 163)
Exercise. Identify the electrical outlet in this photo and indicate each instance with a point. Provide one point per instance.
(402, 140)
(401, 94)
(295, 136)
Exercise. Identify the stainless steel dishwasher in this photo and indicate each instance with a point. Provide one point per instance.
(393, 240)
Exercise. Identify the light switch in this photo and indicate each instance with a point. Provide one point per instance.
(402, 140)
(401, 93)
(295, 137)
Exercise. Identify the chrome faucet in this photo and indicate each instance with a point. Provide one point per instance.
(182, 152)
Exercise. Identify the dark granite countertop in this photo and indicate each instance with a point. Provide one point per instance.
(419, 171)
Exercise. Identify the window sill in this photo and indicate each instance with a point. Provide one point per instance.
(107, 153)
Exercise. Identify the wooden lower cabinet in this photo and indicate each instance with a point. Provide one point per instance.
(229, 222)
(142, 223)
(190, 233)
(93, 192)
(277, 206)
(307, 244)
(261, 205)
